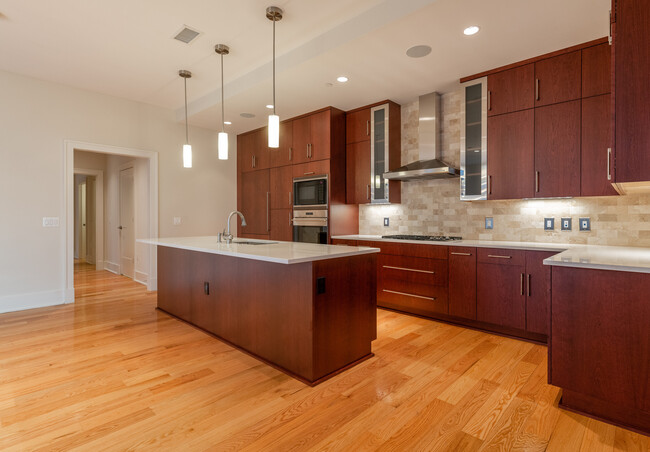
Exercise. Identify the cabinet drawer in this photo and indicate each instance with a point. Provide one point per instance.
(311, 168)
(413, 250)
(404, 271)
(346, 242)
(501, 256)
(416, 304)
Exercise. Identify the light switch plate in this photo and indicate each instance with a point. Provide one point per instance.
(177, 221)
(50, 222)
(566, 224)
(549, 224)
(386, 221)
(489, 223)
(585, 224)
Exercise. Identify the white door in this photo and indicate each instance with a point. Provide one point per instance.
(82, 220)
(127, 223)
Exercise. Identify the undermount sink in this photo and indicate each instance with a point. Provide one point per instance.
(246, 242)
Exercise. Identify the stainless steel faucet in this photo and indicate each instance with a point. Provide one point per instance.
(226, 235)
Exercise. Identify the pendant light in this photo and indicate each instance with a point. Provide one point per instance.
(274, 14)
(222, 50)
(187, 149)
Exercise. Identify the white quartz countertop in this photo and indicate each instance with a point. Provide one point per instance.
(617, 258)
(269, 251)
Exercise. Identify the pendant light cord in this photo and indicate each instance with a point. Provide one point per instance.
(187, 139)
(274, 65)
(222, 106)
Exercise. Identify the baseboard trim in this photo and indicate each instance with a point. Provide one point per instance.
(153, 284)
(23, 301)
(141, 277)
(112, 267)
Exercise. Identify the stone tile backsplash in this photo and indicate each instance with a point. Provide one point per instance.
(433, 206)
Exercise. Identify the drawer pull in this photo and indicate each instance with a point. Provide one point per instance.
(409, 269)
(408, 294)
(461, 254)
(499, 257)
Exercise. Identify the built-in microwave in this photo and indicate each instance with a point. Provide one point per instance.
(310, 191)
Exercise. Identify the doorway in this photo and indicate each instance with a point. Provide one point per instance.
(127, 222)
(85, 223)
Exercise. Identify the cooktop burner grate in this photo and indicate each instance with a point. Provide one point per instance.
(431, 238)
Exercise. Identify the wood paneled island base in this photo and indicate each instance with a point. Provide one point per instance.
(311, 320)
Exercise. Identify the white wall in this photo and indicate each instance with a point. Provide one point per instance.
(35, 119)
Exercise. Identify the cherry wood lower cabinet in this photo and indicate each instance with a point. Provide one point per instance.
(538, 291)
(462, 282)
(310, 320)
(599, 348)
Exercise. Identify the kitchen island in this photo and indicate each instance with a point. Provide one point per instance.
(306, 309)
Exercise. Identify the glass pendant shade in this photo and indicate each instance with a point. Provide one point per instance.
(274, 131)
(223, 146)
(187, 156)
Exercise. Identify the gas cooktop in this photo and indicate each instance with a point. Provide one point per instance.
(431, 238)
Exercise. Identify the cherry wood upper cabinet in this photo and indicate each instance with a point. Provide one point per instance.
(358, 172)
(253, 151)
(557, 150)
(558, 79)
(311, 137)
(596, 70)
(511, 90)
(632, 66)
(283, 155)
(511, 155)
(597, 166)
(462, 282)
(357, 126)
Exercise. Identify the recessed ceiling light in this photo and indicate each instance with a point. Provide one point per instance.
(418, 51)
(247, 115)
(342, 79)
(269, 106)
(227, 123)
(469, 31)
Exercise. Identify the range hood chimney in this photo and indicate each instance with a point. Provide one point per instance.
(428, 166)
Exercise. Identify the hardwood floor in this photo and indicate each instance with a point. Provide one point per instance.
(112, 373)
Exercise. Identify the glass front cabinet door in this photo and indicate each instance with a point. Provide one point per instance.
(473, 140)
(379, 133)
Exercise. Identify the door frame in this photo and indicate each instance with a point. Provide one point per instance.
(125, 166)
(67, 230)
(99, 213)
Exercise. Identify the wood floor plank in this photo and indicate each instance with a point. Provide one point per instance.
(110, 372)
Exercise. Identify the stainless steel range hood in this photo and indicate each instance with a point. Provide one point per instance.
(428, 166)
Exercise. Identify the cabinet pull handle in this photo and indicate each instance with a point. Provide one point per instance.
(368, 191)
(252, 161)
(496, 256)
(310, 172)
(290, 153)
(290, 198)
(537, 89)
(408, 294)
(522, 284)
(609, 168)
(206, 288)
(609, 36)
(536, 181)
(460, 254)
(528, 284)
(307, 150)
(409, 269)
(368, 127)
(489, 185)
(268, 227)
(489, 100)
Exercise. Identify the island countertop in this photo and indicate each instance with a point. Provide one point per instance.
(268, 250)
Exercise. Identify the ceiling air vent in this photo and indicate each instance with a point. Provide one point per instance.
(186, 35)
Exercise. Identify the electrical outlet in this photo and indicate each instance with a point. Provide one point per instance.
(566, 224)
(489, 223)
(585, 224)
(177, 221)
(386, 221)
(549, 224)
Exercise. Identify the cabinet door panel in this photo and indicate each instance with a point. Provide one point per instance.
(357, 126)
(262, 150)
(500, 295)
(511, 157)
(281, 228)
(358, 173)
(511, 90)
(557, 150)
(538, 291)
(301, 137)
(320, 135)
(436, 304)
(411, 274)
(462, 282)
(596, 70)
(246, 148)
(558, 79)
(597, 168)
(283, 155)
(312, 169)
(255, 203)
(281, 186)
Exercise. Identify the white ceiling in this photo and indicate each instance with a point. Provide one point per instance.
(124, 48)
